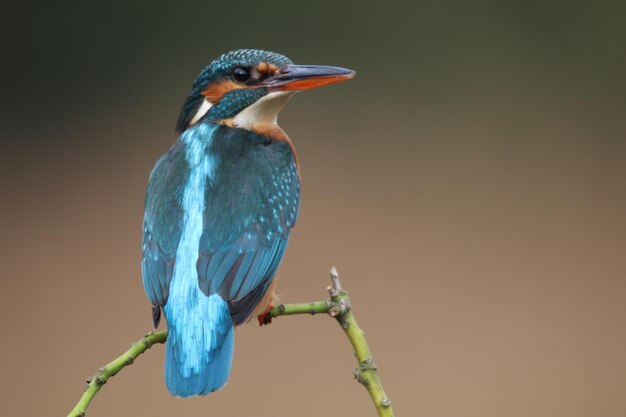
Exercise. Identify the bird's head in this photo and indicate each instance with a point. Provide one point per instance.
(247, 88)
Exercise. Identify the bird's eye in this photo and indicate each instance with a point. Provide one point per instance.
(241, 74)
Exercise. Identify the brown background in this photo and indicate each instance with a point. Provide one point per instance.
(469, 184)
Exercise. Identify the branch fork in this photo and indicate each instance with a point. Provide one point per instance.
(338, 307)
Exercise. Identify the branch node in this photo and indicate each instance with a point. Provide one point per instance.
(359, 376)
(129, 361)
(281, 308)
(368, 361)
(100, 381)
(385, 402)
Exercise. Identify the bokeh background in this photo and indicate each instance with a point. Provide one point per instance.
(469, 184)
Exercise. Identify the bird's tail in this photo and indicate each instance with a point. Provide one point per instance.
(199, 350)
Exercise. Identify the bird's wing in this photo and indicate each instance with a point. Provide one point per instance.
(162, 226)
(240, 268)
(247, 219)
(241, 273)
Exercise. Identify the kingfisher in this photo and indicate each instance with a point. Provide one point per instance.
(219, 209)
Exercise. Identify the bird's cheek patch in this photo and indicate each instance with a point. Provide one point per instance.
(215, 91)
(267, 69)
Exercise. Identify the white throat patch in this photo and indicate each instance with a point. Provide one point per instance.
(264, 111)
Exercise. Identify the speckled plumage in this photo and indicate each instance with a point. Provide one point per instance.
(219, 209)
(220, 206)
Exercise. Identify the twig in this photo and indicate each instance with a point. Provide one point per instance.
(96, 382)
(366, 372)
(338, 306)
(303, 308)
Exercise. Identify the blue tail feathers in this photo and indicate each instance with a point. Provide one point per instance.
(199, 348)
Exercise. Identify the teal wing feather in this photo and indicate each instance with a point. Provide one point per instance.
(248, 221)
(163, 223)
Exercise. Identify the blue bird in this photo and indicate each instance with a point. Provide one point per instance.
(220, 206)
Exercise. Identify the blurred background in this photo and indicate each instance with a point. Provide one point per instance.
(469, 184)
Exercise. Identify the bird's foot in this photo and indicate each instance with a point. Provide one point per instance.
(266, 316)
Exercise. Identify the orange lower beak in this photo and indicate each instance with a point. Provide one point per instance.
(305, 77)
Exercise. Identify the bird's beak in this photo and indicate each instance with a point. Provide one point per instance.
(304, 77)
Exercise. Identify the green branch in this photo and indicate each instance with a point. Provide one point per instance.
(303, 308)
(112, 368)
(338, 306)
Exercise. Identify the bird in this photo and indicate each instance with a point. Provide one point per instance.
(219, 209)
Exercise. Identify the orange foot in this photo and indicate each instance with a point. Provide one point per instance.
(265, 317)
